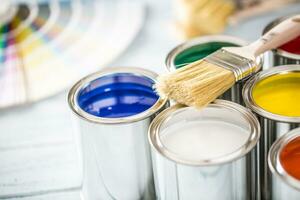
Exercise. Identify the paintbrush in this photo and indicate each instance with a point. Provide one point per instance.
(201, 82)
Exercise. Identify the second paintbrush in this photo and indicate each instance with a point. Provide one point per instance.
(201, 82)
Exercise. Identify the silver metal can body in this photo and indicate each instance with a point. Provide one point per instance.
(115, 150)
(272, 127)
(284, 185)
(201, 47)
(231, 177)
(117, 166)
(279, 57)
(270, 131)
(176, 181)
(283, 191)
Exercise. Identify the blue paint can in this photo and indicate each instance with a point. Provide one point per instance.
(114, 108)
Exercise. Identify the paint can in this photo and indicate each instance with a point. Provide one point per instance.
(114, 108)
(204, 154)
(274, 95)
(284, 162)
(288, 53)
(198, 48)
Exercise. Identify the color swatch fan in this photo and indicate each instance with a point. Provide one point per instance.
(46, 47)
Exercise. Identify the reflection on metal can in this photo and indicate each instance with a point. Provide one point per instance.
(274, 95)
(204, 154)
(284, 162)
(114, 108)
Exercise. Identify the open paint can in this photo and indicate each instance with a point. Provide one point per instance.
(199, 48)
(114, 108)
(274, 95)
(204, 154)
(288, 53)
(284, 161)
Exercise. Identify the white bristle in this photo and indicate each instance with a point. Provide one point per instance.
(196, 84)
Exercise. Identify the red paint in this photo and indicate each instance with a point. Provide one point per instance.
(290, 158)
(292, 46)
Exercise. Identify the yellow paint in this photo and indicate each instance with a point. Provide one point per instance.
(279, 94)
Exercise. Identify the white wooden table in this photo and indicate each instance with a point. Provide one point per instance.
(38, 159)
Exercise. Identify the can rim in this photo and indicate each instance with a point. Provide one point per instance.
(274, 162)
(286, 54)
(249, 100)
(277, 51)
(74, 91)
(169, 61)
(154, 139)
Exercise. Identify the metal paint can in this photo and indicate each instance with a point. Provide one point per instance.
(114, 108)
(282, 158)
(281, 55)
(272, 95)
(204, 154)
(198, 48)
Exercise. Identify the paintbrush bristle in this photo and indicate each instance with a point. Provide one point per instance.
(196, 84)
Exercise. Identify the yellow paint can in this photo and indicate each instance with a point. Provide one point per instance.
(274, 95)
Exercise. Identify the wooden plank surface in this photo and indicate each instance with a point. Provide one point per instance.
(67, 195)
(37, 149)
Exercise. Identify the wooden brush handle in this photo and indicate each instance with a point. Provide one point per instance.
(287, 30)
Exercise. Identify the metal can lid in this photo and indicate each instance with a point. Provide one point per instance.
(116, 95)
(277, 154)
(219, 133)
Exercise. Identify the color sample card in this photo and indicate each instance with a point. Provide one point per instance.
(47, 46)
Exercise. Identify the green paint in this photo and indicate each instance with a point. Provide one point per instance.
(3, 41)
(198, 52)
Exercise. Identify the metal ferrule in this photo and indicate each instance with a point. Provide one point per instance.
(240, 66)
(285, 186)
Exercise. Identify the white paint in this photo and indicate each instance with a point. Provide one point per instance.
(198, 140)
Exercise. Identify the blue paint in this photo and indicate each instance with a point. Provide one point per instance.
(117, 95)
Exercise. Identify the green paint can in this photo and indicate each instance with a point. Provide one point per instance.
(201, 47)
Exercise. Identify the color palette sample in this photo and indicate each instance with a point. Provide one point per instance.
(279, 94)
(204, 139)
(118, 95)
(290, 158)
(292, 46)
(47, 46)
(198, 52)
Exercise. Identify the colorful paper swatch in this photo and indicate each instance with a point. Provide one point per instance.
(45, 47)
